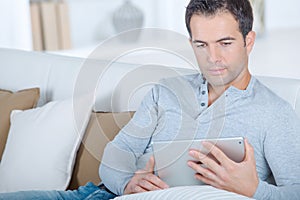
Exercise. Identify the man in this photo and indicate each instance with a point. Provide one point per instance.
(189, 107)
(222, 39)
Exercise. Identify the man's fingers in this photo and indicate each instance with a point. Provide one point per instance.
(149, 186)
(138, 189)
(144, 180)
(205, 159)
(150, 165)
(202, 170)
(156, 181)
(150, 181)
(206, 180)
(153, 178)
(218, 154)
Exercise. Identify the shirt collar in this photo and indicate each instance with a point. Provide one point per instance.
(247, 92)
(232, 90)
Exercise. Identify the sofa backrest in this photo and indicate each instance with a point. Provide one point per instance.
(119, 87)
(54, 75)
(58, 77)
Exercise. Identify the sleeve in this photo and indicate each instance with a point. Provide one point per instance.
(282, 147)
(120, 155)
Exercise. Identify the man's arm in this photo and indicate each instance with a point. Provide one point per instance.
(281, 150)
(119, 161)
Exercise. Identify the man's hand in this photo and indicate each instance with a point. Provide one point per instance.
(226, 174)
(144, 180)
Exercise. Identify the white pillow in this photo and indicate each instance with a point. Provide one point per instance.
(203, 192)
(41, 146)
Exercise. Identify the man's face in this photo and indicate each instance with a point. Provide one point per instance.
(220, 48)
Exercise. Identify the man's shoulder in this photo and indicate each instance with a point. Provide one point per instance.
(179, 91)
(268, 97)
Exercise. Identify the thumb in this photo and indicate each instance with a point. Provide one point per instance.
(249, 151)
(150, 165)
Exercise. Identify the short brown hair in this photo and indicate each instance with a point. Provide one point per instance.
(240, 9)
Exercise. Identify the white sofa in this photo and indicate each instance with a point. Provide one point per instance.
(117, 87)
(56, 77)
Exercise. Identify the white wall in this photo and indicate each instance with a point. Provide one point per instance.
(91, 19)
(274, 54)
(282, 14)
(15, 24)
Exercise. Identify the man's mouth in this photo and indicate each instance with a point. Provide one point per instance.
(217, 71)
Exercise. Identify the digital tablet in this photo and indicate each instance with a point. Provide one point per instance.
(171, 158)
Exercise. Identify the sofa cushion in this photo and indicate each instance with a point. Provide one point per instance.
(42, 145)
(101, 129)
(21, 100)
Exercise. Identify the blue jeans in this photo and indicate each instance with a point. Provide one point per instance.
(87, 192)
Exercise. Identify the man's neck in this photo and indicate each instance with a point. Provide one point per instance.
(214, 92)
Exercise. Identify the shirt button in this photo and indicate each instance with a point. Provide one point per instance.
(203, 92)
(202, 104)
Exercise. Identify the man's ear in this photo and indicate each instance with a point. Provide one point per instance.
(250, 40)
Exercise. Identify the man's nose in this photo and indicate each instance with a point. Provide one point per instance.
(214, 54)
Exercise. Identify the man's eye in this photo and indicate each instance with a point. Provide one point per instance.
(226, 43)
(201, 45)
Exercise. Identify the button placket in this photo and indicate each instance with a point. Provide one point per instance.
(203, 96)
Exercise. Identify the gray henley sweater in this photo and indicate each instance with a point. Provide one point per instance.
(177, 108)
